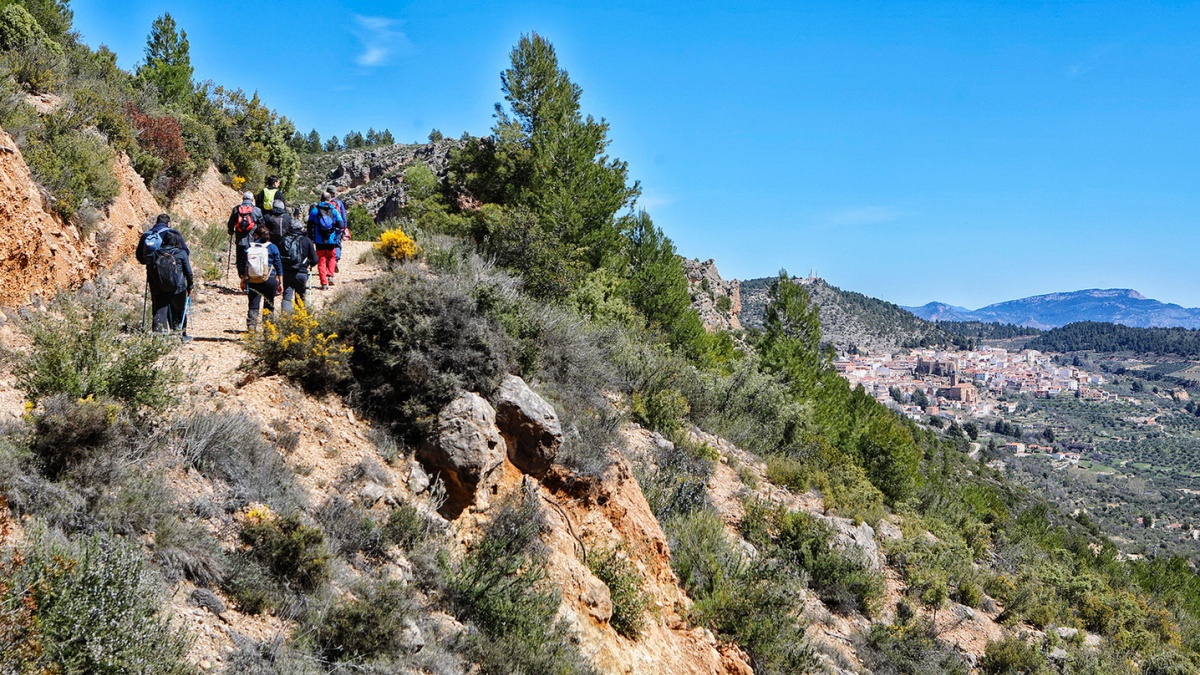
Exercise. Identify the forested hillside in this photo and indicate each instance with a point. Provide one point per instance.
(506, 444)
(1110, 337)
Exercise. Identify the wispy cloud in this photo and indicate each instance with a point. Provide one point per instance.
(856, 216)
(1090, 61)
(381, 38)
(652, 200)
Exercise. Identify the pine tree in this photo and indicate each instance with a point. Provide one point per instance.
(168, 63)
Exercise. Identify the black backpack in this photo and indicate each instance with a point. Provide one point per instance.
(293, 251)
(166, 272)
(275, 224)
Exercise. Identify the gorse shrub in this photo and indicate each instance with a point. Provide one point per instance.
(293, 552)
(67, 431)
(396, 245)
(78, 349)
(292, 344)
(909, 648)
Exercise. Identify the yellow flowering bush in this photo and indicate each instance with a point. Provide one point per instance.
(292, 344)
(396, 245)
(238, 183)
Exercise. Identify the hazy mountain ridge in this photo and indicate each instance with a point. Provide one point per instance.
(1115, 305)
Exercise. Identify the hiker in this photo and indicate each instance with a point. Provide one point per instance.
(151, 239)
(168, 276)
(278, 220)
(325, 227)
(267, 196)
(245, 217)
(331, 197)
(298, 255)
(261, 271)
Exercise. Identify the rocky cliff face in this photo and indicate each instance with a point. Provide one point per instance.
(716, 300)
(49, 254)
(374, 177)
(206, 199)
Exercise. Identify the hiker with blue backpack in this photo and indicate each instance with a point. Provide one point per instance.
(168, 275)
(325, 227)
(331, 197)
(261, 270)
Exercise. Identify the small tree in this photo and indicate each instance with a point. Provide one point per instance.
(168, 65)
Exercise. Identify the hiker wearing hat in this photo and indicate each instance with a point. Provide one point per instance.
(278, 220)
(245, 217)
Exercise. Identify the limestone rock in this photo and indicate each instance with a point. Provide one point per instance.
(467, 451)
(596, 599)
(374, 177)
(529, 425)
(717, 301)
(859, 539)
(411, 639)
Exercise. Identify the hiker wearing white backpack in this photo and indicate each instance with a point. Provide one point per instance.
(261, 269)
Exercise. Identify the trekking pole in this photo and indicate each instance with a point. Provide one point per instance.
(187, 313)
(145, 298)
(229, 256)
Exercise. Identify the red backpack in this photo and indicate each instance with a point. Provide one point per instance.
(245, 222)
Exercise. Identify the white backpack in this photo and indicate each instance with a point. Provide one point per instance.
(258, 263)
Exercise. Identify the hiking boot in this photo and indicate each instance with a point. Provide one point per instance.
(186, 339)
(324, 287)
(336, 269)
(331, 282)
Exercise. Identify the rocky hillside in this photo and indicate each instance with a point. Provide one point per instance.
(51, 255)
(373, 177)
(851, 320)
(717, 301)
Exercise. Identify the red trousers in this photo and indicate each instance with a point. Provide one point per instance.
(326, 262)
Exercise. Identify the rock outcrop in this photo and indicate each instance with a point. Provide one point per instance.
(529, 425)
(467, 451)
(206, 199)
(716, 300)
(374, 177)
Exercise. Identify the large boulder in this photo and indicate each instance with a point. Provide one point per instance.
(467, 451)
(529, 425)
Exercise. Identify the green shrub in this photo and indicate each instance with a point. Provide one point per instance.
(67, 431)
(630, 603)
(76, 166)
(294, 553)
(420, 341)
(754, 602)
(362, 224)
(250, 585)
(1011, 656)
(78, 349)
(365, 625)
(98, 610)
(499, 587)
(407, 527)
(970, 594)
(663, 410)
(840, 578)
(673, 480)
(909, 648)
(350, 528)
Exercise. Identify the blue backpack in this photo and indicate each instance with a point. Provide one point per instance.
(324, 218)
(151, 242)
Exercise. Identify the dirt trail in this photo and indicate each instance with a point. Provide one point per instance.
(218, 316)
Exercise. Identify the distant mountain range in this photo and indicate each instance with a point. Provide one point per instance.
(1115, 305)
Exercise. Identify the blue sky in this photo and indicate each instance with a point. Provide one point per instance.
(965, 152)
